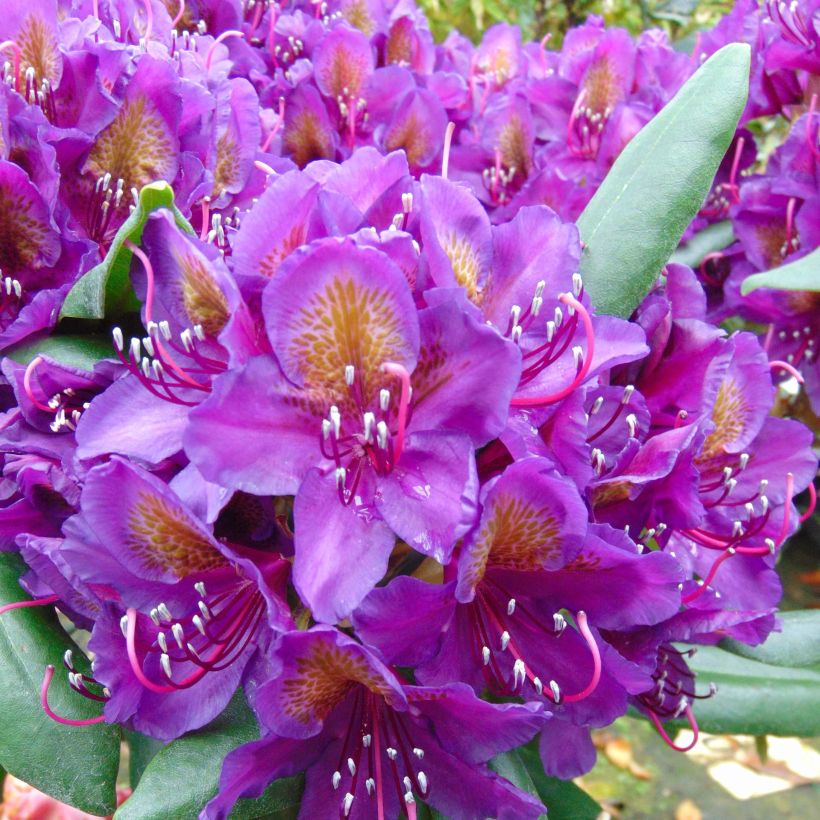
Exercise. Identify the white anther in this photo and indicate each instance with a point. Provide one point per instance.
(124, 625)
(485, 654)
(550, 331)
(165, 663)
(145, 364)
(408, 783)
(366, 741)
(68, 658)
(341, 477)
(409, 799)
(198, 623)
(206, 613)
(199, 586)
(750, 509)
(764, 503)
(737, 528)
(326, 429)
(384, 399)
(179, 634)
(192, 650)
(730, 485)
(536, 305)
(515, 336)
(511, 606)
(515, 314)
(539, 687)
(628, 391)
(199, 332)
(391, 752)
(336, 779)
(764, 482)
(148, 344)
(727, 473)
(135, 350)
(519, 673)
(162, 641)
(407, 202)
(370, 785)
(681, 707)
(369, 424)
(632, 424)
(769, 542)
(119, 341)
(419, 753)
(539, 288)
(744, 460)
(347, 803)
(578, 355)
(350, 374)
(164, 612)
(165, 329)
(596, 405)
(421, 777)
(577, 284)
(154, 613)
(351, 766)
(505, 640)
(559, 317)
(187, 339)
(556, 692)
(381, 434)
(336, 420)
(158, 369)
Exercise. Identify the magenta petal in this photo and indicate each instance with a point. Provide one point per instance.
(341, 550)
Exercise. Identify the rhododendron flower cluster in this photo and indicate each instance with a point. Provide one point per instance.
(363, 447)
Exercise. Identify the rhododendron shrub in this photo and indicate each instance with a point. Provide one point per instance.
(355, 420)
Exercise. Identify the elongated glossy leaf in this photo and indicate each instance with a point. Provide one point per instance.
(142, 751)
(659, 182)
(804, 274)
(797, 645)
(105, 291)
(184, 775)
(563, 799)
(714, 238)
(77, 765)
(82, 352)
(756, 698)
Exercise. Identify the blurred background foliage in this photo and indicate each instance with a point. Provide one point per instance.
(537, 18)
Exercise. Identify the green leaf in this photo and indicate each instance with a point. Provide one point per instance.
(106, 291)
(82, 352)
(710, 240)
(184, 775)
(756, 698)
(655, 188)
(75, 764)
(797, 645)
(563, 799)
(142, 751)
(804, 274)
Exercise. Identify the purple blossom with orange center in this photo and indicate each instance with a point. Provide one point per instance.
(369, 743)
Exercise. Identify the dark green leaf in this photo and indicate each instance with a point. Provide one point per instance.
(804, 274)
(77, 765)
(756, 698)
(82, 352)
(142, 751)
(657, 185)
(184, 775)
(714, 238)
(797, 645)
(106, 291)
(563, 799)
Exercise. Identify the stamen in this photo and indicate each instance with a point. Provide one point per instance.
(222, 37)
(180, 14)
(49, 674)
(791, 370)
(400, 372)
(690, 717)
(809, 510)
(49, 599)
(27, 385)
(583, 627)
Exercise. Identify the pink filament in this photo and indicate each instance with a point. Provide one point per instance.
(264, 167)
(790, 223)
(49, 599)
(790, 369)
(806, 515)
(276, 128)
(810, 139)
(27, 385)
(576, 109)
(400, 371)
(537, 401)
(669, 742)
(710, 576)
(448, 140)
(224, 36)
(784, 530)
(53, 715)
(180, 14)
(206, 214)
(583, 626)
(735, 163)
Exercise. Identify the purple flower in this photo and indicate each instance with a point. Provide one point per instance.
(371, 745)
